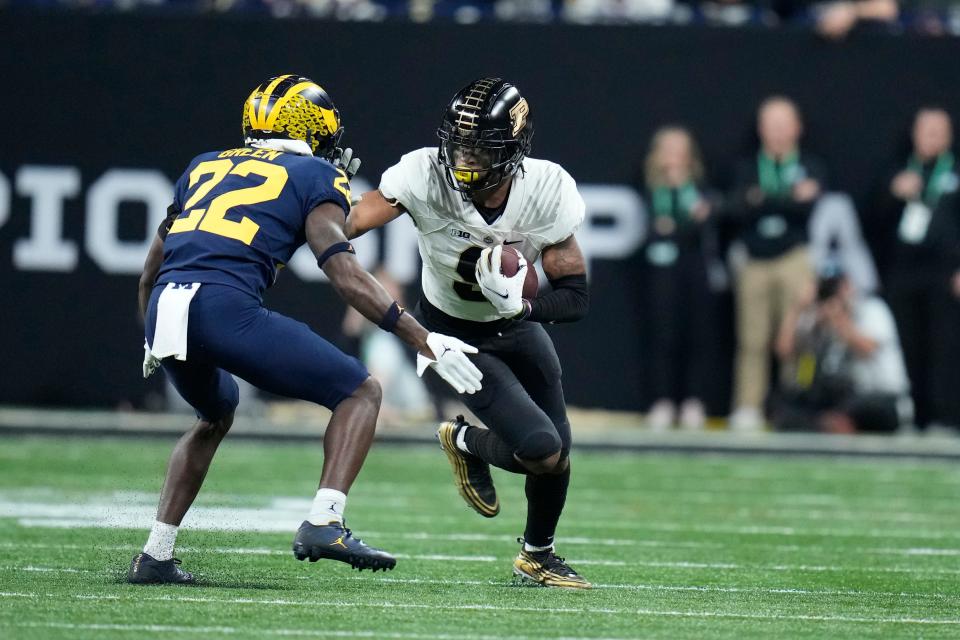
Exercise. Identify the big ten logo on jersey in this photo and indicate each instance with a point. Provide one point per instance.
(459, 233)
(39, 199)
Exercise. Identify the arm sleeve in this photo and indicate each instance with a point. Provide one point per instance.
(800, 211)
(176, 207)
(877, 322)
(567, 302)
(173, 212)
(738, 207)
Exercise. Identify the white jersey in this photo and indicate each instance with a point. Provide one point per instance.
(544, 208)
(883, 371)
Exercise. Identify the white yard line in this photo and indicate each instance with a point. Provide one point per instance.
(374, 495)
(496, 608)
(37, 507)
(270, 521)
(670, 588)
(788, 548)
(312, 633)
(573, 561)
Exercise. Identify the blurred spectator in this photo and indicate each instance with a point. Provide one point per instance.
(932, 17)
(523, 10)
(842, 369)
(773, 196)
(835, 20)
(679, 302)
(617, 11)
(361, 10)
(922, 242)
(735, 13)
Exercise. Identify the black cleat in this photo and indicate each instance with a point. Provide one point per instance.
(470, 473)
(545, 568)
(336, 542)
(145, 569)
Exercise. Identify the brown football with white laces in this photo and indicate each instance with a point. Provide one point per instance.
(510, 264)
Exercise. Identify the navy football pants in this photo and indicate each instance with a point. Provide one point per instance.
(230, 331)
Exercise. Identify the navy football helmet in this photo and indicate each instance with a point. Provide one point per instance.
(294, 108)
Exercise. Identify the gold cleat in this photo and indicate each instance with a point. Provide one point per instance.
(547, 569)
(470, 473)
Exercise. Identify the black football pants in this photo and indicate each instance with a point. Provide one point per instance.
(522, 398)
(522, 404)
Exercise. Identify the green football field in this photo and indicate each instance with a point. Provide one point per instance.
(678, 546)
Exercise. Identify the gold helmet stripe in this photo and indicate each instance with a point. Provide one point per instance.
(252, 110)
(264, 101)
(329, 117)
(282, 100)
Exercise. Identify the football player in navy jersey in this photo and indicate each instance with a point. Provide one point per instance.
(238, 215)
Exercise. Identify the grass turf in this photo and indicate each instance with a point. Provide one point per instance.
(677, 546)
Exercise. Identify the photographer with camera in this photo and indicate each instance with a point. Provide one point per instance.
(841, 364)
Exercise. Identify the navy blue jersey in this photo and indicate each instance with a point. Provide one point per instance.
(243, 213)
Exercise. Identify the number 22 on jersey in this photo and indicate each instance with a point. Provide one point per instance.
(213, 218)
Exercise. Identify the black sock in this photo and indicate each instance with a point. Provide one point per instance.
(546, 495)
(488, 446)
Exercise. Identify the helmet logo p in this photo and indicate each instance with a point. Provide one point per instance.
(518, 115)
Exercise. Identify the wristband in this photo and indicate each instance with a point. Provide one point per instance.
(525, 312)
(391, 317)
(334, 249)
(172, 214)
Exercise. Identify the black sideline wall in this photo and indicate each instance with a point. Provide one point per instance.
(103, 112)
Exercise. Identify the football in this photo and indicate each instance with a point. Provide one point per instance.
(509, 264)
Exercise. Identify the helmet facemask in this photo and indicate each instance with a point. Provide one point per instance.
(476, 164)
(484, 136)
(325, 146)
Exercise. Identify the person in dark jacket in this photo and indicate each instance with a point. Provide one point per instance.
(916, 223)
(773, 196)
(679, 304)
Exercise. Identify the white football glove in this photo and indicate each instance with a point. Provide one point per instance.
(506, 294)
(150, 362)
(451, 363)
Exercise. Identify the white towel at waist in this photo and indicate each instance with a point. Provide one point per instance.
(173, 314)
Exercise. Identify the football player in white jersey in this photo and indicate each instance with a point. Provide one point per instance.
(475, 194)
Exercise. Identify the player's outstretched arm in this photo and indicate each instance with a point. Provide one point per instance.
(371, 212)
(151, 266)
(446, 355)
(566, 270)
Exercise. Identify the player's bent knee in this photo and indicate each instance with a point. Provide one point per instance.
(370, 391)
(543, 466)
(540, 452)
(562, 465)
(539, 445)
(215, 428)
